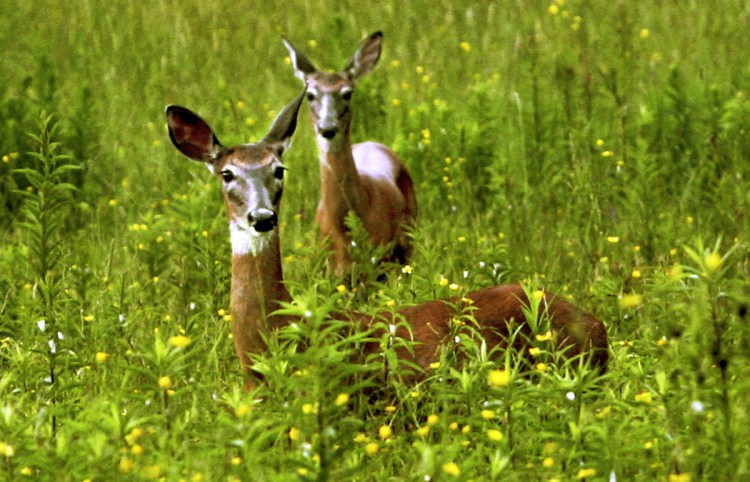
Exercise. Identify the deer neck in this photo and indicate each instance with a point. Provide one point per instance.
(257, 290)
(341, 188)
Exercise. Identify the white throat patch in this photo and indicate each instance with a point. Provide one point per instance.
(246, 240)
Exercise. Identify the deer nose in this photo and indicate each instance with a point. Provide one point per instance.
(328, 132)
(263, 220)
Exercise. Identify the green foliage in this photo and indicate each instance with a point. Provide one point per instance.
(594, 149)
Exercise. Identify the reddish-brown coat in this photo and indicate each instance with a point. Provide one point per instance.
(499, 315)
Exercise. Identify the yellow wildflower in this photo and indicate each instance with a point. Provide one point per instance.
(585, 473)
(465, 46)
(372, 448)
(309, 408)
(644, 33)
(341, 399)
(548, 462)
(433, 419)
(498, 378)
(294, 434)
(100, 357)
(126, 465)
(488, 414)
(644, 397)
(494, 435)
(242, 409)
(451, 468)
(545, 337)
(679, 478)
(165, 382)
(134, 435)
(385, 432)
(341, 288)
(7, 450)
(631, 300)
(179, 341)
(713, 261)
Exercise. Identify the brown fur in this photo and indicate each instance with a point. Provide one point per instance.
(498, 312)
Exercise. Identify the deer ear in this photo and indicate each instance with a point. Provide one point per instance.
(301, 64)
(366, 56)
(280, 132)
(191, 135)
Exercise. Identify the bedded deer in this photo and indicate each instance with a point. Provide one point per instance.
(368, 178)
(252, 176)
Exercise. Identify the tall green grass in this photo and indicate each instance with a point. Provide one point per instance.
(597, 149)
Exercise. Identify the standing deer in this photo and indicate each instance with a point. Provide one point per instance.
(366, 178)
(252, 176)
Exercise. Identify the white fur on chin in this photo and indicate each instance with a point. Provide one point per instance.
(246, 240)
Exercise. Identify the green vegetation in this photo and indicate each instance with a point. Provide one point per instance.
(598, 149)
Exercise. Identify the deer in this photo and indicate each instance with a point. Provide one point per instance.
(252, 177)
(367, 178)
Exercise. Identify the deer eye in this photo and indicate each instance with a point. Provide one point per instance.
(227, 176)
(278, 173)
(310, 96)
(346, 95)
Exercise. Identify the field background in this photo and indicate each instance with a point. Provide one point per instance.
(596, 148)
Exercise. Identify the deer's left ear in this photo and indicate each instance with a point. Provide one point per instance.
(282, 128)
(366, 56)
(191, 135)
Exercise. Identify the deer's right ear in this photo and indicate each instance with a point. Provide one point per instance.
(301, 64)
(191, 135)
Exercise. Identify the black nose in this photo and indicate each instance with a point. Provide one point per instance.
(263, 220)
(328, 133)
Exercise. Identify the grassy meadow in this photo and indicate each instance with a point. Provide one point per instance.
(598, 149)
